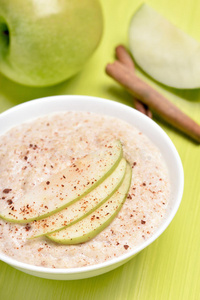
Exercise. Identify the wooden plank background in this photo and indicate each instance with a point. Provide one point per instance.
(169, 269)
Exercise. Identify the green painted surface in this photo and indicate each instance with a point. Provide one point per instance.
(169, 269)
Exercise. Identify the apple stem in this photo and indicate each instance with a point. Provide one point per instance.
(5, 32)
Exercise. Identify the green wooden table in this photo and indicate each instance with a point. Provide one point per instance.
(169, 269)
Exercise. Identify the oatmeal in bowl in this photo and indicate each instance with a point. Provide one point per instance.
(86, 183)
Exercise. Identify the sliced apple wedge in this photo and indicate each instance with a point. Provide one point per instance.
(164, 51)
(65, 187)
(94, 223)
(81, 208)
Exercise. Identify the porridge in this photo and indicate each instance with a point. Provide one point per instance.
(33, 152)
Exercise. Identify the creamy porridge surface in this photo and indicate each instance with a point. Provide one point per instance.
(32, 152)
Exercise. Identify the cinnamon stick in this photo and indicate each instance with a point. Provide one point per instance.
(124, 57)
(156, 101)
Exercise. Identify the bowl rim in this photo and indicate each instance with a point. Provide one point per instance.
(124, 257)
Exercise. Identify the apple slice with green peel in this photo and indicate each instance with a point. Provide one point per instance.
(82, 207)
(164, 51)
(65, 187)
(98, 220)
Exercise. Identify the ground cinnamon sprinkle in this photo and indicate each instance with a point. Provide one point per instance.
(6, 191)
(9, 201)
(27, 227)
(126, 246)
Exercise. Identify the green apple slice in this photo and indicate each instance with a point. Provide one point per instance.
(82, 207)
(164, 51)
(98, 220)
(65, 187)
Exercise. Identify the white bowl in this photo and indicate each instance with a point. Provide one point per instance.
(39, 107)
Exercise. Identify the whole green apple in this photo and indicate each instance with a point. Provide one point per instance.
(43, 42)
